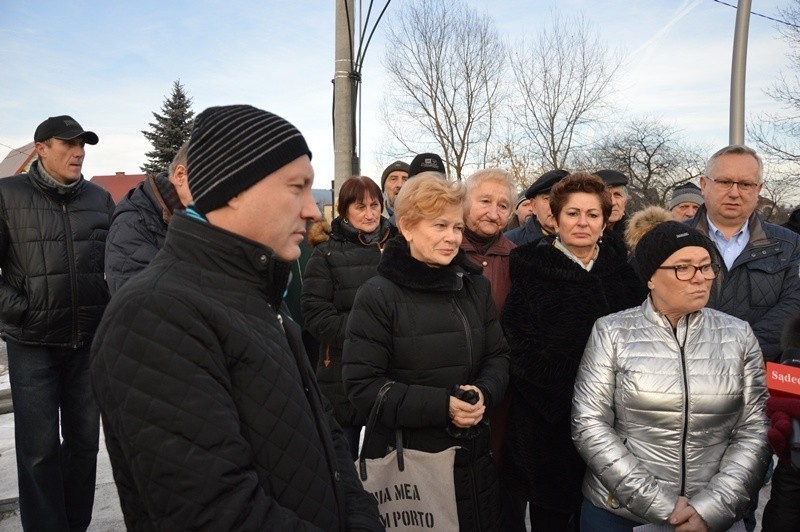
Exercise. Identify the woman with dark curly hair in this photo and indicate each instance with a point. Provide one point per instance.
(559, 287)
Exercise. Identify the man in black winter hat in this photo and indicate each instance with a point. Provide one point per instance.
(213, 417)
(426, 162)
(542, 222)
(393, 178)
(617, 184)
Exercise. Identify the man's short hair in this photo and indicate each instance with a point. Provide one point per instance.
(735, 149)
(180, 158)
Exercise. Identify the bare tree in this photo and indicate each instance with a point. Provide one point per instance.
(781, 185)
(776, 134)
(653, 157)
(446, 66)
(510, 153)
(563, 78)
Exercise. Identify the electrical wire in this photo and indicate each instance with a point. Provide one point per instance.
(773, 19)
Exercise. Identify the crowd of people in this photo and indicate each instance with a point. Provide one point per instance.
(613, 361)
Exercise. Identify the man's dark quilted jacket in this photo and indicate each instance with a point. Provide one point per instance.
(138, 229)
(763, 285)
(212, 415)
(52, 239)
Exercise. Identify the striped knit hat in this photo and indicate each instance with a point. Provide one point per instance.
(234, 147)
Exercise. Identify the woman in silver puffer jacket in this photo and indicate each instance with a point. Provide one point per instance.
(668, 409)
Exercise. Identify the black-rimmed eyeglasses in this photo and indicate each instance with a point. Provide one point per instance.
(685, 272)
(727, 184)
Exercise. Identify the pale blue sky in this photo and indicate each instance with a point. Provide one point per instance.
(109, 64)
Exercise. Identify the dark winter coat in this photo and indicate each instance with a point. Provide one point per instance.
(525, 234)
(336, 270)
(548, 318)
(496, 267)
(793, 222)
(137, 232)
(429, 329)
(619, 228)
(212, 415)
(52, 240)
(763, 285)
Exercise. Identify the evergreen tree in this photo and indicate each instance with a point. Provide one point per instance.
(170, 130)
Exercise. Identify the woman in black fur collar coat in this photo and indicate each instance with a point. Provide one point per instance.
(559, 287)
(428, 323)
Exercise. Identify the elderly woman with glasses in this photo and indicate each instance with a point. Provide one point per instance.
(668, 408)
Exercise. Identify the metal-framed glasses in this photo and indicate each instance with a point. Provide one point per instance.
(727, 184)
(685, 272)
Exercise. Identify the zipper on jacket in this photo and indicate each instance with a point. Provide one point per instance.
(685, 405)
(468, 333)
(72, 279)
(474, 487)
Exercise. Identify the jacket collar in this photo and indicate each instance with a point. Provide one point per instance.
(400, 267)
(542, 258)
(342, 232)
(655, 317)
(49, 186)
(502, 246)
(758, 237)
(218, 250)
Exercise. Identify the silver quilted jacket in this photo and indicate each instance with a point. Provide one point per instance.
(657, 414)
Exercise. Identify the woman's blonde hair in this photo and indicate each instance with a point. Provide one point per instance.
(425, 196)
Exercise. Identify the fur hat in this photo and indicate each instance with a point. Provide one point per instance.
(397, 166)
(426, 162)
(643, 221)
(686, 192)
(232, 148)
(664, 239)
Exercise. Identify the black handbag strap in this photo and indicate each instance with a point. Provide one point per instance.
(373, 418)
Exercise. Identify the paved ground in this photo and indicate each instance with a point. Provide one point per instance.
(107, 515)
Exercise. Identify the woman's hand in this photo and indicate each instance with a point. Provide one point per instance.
(465, 415)
(685, 518)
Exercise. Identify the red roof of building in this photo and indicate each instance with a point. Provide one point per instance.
(118, 184)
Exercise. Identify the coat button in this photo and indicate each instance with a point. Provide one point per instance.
(485, 263)
(336, 476)
(262, 259)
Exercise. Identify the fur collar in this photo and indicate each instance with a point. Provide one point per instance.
(319, 232)
(542, 259)
(322, 231)
(401, 268)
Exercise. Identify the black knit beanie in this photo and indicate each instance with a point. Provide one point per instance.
(233, 147)
(663, 240)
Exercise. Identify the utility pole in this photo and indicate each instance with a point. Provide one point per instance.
(345, 91)
(738, 72)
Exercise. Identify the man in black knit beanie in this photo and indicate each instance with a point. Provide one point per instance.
(212, 414)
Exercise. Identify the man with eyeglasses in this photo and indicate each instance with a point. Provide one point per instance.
(760, 281)
(760, 277)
